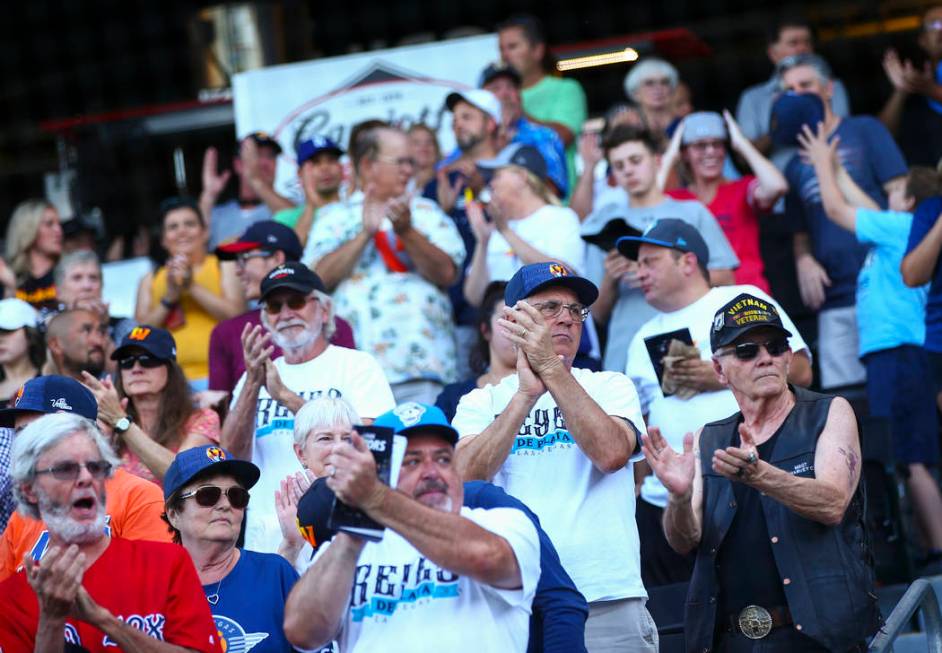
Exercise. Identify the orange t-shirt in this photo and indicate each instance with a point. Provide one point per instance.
(132, 504)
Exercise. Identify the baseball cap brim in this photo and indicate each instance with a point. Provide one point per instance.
(628, 245)
(230, 251)
(246, 473)
(307, 157)
(8, 416)
(302, 288)
(148, 347)
(585, 290)
(445, 431)
(731, 335)
(611, 233)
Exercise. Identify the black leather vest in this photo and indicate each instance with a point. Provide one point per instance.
(826, 571)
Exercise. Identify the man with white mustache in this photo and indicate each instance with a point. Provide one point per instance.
(92, 591)
(296, 310)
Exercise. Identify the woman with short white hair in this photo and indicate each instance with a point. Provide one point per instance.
(651, 84)
(318, 425)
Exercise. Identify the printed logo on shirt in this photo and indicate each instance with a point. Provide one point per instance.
(151, 625)
(233, 638)
(38, 550)
(542, 430)
(270, 416)
(380, 590)
(71, 635)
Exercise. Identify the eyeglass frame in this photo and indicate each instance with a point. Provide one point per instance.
(400, 162)
(192, 494)
(577, 311)
(735, 350)
(242, 258)
(60, 468)
(267, 303)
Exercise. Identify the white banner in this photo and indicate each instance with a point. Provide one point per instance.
(326, 97)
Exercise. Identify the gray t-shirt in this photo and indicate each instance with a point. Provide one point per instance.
(229, 221)
(630, 310)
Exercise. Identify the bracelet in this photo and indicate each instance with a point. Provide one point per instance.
(166, 303)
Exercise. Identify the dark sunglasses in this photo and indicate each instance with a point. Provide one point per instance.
(147, 361)
(209, 495)
(295, 303)
(70, 471)
(746, 351)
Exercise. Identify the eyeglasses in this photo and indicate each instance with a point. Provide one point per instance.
(703, 146)
(295, 303)
(551, 309)
(245, 257)
(147, 361)
(402, 162)
(746, 351)
(209, 495)
(70, 471)
(657, 81)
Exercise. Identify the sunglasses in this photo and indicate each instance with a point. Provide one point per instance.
(746, 351)
(70, 471)
(209, 495)
(147, 362)
(295, 303)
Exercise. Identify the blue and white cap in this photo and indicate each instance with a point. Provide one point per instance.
(412, 417)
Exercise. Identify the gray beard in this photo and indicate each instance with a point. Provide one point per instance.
(63, 527)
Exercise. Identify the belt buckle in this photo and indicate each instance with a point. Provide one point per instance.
(755, 622)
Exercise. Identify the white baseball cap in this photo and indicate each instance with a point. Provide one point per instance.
(479, 98)
(16, 314)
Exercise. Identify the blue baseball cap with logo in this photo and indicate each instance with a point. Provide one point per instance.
(412, 417)
(673, 233)
(267, 235)
(155, 341)
(51, 394)
(790, 112)
(205, 460)
(537, 276)
(308, 149)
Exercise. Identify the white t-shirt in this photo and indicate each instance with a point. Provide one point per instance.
(339, 372)
(553, 230)
(589, 515)
(674, 416)
(401, 601)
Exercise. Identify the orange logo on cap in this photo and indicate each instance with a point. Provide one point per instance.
(215, 454)
(19, 395)
(558, 270)
(139, 333)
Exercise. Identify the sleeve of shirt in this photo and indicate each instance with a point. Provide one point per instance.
(142, 505)
(189, 621)
(616, 395)
(722, 256)
(560, 608)
(237, 391)
(205, 422)
(8, 561)
(327, 234)
(923, 218)
(516, 528)
(343, 334)
(641, 373)
(884, 155)
(883, 228)
(571, 106)
(474, 413)
(373, 395)
(440, 230)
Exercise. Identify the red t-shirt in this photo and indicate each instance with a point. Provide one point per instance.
(739, 218)
(149, 585)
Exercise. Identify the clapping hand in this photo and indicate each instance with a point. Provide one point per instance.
(675, 470)
(255, 352)
(213, 181)
(739, 463)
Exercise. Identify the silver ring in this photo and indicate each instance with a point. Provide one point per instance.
(752, 458)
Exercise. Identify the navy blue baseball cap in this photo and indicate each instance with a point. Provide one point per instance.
(790, 112)
(205, 460)
(313, 514)
(515, 154)
(310, 148)
(667, 232)
(412, 417)
(266, 234)
(740, 316)
(51, 394)
(262, 139)
(537, 276)
(293, 276)
(155, 341)
(499, 69)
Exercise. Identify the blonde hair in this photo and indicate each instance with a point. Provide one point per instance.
(21, 234)
(539, 187)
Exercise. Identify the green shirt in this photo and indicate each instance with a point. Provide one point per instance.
(555, 99)
(290, 217)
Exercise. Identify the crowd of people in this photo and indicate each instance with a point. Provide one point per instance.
(560, 344)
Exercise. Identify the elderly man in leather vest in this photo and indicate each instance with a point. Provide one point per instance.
(768, 498)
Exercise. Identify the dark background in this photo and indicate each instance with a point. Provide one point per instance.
(61, 60)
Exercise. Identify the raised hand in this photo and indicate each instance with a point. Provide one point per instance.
(110, 407)
(736, 137)
(739, 463)
(292, 489)
(374, 210)
(399, 213)
(351, 473)
(527, 329)
(480, 226)
(255, 352)
(675, 470)
(447, 192)
(815, 148)
(590, 151)
(56, 579)
(213, 181)
(621, 269)
(812, 281)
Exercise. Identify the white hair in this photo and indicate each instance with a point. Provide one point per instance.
(78, 257)
(43, 434)
(650, 67)
(323, 411)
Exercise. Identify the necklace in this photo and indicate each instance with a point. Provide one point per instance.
(214, 597)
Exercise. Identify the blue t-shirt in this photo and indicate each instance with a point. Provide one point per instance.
(889, 313)
(925, 216)
(250, 611)
(872, 158)
(557, 624)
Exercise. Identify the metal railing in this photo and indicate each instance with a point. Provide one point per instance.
(919, 596)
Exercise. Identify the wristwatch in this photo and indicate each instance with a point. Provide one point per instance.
(122, 425)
